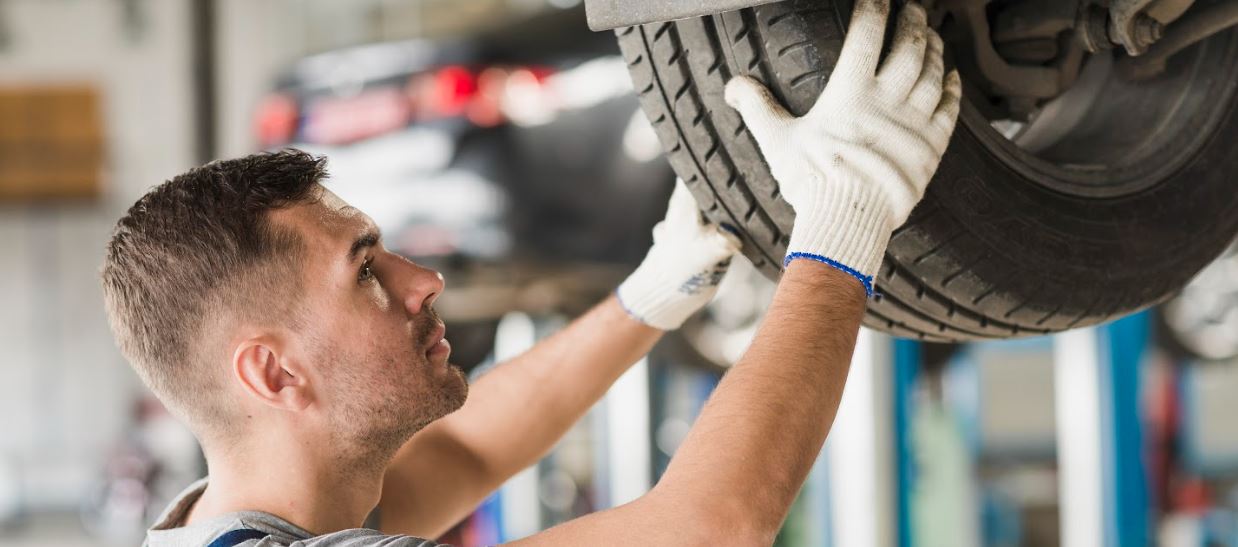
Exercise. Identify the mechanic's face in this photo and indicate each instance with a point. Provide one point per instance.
(375, 341)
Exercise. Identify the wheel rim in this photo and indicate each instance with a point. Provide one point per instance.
(1107, 137)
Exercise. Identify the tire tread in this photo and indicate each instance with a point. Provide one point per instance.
(939, 281)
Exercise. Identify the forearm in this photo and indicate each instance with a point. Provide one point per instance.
(516, 412)
(758, 436)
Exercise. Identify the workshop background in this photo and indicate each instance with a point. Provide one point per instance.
(499, 141)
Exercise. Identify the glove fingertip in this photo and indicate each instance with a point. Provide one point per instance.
(752, 99)
(681, 199)
(954, 81)
(739, 91)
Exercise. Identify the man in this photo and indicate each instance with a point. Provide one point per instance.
(308, 360)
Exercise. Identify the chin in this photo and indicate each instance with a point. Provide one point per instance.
(455, 387)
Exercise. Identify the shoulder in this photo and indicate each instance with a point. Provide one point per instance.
(250, 537)
(362, 537)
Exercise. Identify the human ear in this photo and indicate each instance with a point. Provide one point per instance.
(270, 374)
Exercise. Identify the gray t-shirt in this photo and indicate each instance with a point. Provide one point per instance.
(169, 529)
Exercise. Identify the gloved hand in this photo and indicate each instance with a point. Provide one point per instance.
(855, 165)
(683, 268)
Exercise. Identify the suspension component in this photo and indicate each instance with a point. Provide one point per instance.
(1130, 27)
(1191, 28)
(1092, 30)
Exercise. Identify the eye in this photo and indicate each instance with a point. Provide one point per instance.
(367, 271)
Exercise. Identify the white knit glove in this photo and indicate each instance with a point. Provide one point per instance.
(683, 268)
(855, 165)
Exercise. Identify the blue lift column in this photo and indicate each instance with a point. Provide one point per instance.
(906, 372)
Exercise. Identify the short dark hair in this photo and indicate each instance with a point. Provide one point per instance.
(201, 248)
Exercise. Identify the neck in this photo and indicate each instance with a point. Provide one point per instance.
(294, 479)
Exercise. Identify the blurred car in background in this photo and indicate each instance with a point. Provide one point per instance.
(517, 163)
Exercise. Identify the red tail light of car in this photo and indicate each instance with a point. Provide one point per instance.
(276, 120)
(485, 96)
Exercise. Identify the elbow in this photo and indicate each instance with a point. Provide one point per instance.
(724, 522)
(733, 535)
(722, 531)
(736, 529)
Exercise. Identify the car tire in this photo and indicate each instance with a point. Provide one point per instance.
(994, 250)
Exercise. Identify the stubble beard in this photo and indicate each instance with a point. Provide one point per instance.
(380, 416)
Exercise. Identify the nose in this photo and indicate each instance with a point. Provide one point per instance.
(419, 286)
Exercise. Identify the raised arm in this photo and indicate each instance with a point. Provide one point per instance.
(852, 168)
(515, 413)
(733, 478)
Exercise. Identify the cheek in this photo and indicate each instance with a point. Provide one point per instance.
(365, 309)
(362, 327)
(377, 299)
(371, 327)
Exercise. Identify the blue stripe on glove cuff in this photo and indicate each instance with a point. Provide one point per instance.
(867, 280)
